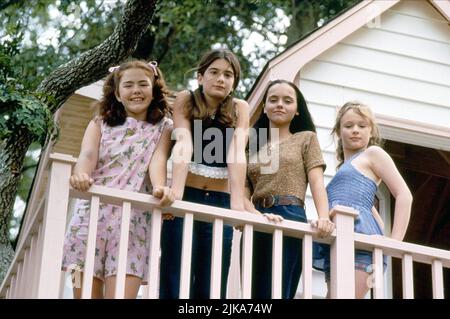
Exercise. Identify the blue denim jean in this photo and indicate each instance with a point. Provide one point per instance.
(171, 240)
(292, 256)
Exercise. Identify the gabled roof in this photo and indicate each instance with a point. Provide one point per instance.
(322, 39)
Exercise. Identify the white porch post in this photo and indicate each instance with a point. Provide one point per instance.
(54, 224)
(343, 254)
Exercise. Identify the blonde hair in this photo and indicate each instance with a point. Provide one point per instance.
(364, 111)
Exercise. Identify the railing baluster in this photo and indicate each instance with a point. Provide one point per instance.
(13, 286)
(119, 292)
(62, 283)
(438, 279)
(19, 281)
(29, 270)
(152, 292)
(378, 272)
(31, 265)
(86, 291)
(37, 261)
(307, 267)
(216, 259)
(408, 278)
(23, 280)
(277, 263)
(247, 253)
(186, 254)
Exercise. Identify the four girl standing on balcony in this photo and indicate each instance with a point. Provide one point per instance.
(133, 133)
(279, 170)
(212, 176)
(116, 152)
(362, 167)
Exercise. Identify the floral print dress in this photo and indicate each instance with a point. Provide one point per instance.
(125, 152)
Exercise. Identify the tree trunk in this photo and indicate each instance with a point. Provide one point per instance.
(12, 155)
(304, 19)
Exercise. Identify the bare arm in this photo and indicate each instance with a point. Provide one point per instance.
(182, 151)
(319, 194)
(81, 177)
(383, 166)
(158, 168)
(237, 163)
(248, 205)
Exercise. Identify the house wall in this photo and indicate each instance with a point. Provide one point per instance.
(399, 64)
(75, 116)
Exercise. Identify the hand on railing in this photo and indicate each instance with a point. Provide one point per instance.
(270, 217)
(81, 181)
(167, 197)
(324, 225)
(165, 194)
(274, 218)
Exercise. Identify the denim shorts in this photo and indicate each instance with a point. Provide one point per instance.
(363, 260)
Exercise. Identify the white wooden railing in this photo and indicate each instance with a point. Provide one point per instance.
(36, 269)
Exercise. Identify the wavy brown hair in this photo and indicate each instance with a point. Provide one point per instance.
(113, 112)
(197, 108)
(364, 111)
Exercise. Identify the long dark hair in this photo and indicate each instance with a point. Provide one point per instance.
(113, 112)
(197, 108)
(301, 122)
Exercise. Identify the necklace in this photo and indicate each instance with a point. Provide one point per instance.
(217, 110)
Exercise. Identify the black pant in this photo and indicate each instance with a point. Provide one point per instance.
(292, 256)
(171, 244)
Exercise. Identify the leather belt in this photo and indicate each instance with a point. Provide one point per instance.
(273, 200)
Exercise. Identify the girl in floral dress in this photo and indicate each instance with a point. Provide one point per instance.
(117, 150)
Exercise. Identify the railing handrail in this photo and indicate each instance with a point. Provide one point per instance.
(395, 248)
(207, 213)
(202, 212)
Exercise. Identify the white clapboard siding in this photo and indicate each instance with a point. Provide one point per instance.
(388, 63)
(420, 9)
(401, 44)
(381, 104)
(325, 139)
(377, 82)
(324, 115)
(396, 21)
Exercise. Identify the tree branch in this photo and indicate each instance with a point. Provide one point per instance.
(93, 64)
(7, 3)
(166, 43)
(27, 167)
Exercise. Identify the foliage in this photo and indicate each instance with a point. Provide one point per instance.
(20, 109)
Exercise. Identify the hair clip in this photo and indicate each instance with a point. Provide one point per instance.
(153, 65)
(113, 68)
